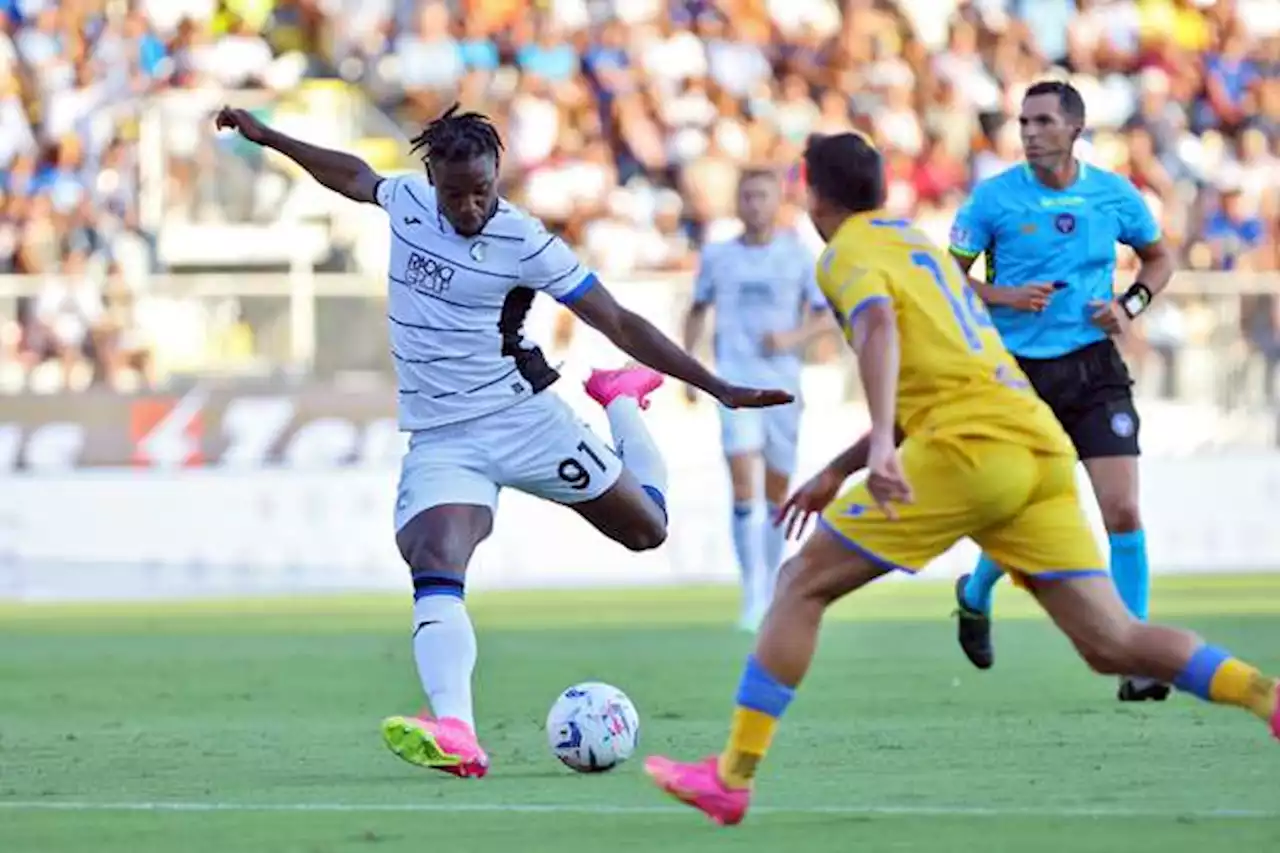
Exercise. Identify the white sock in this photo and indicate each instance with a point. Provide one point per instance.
(444, 645)
(634, 444)
(747, 541)
(775, 542)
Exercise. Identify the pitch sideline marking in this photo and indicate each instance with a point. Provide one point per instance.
(585, 809)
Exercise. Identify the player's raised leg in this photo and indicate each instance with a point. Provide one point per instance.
(443, 511)
(824, 570)
(1113, 642)
(633, 511)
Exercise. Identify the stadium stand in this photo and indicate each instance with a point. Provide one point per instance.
(626, 122)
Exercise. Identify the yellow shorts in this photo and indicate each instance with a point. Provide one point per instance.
(1020, 506)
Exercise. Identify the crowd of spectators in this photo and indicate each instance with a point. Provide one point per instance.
(627, 120)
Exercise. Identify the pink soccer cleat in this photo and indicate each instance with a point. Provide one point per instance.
(1275, 717)
(605, 386)
(446, 744)
(699, 785)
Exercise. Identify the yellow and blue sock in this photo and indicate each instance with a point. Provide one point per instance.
(762, 700)
(1130, 571)
(977, 590)
(1215, 676)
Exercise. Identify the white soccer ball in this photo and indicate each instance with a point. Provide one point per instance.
(593, 727)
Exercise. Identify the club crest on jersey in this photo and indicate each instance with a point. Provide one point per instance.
(1122, 424)
(1065, 223)
(478, 251)
(427, 274)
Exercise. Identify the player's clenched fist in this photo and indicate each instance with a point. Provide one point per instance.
(242, 122)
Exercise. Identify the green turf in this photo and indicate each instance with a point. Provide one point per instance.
(276, 704)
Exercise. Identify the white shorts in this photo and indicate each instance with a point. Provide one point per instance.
(538, 446)
(773, 432)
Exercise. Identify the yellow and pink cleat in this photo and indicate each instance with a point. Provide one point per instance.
(637, 381)
(699, 785)
(446, 744)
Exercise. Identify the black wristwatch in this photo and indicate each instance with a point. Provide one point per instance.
(1136, 299)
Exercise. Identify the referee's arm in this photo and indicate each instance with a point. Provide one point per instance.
(1157, 266)
(1027, 297)
(1141, 232)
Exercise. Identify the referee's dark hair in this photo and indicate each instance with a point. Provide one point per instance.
(457, 136)
(1069, 99)
(846, 170)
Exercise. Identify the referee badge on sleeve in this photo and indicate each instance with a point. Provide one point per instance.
(1122, 424)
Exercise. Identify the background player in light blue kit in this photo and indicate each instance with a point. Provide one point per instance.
(766, 305)
(1048, 230)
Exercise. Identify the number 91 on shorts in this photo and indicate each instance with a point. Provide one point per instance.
(538, 446)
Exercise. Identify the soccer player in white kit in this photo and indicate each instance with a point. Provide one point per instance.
(762, 289)
(465, 266)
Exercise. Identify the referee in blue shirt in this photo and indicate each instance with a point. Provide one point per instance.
(1048, 229)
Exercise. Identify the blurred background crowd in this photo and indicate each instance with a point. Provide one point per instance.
(626, 122)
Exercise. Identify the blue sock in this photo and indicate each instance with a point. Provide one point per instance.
(775, 542)
(760, 691)
(1130, 571)
(977, 591)
(1197, 678)
(747, 542)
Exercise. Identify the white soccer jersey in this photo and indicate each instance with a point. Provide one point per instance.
(456, 305)
(755, 291)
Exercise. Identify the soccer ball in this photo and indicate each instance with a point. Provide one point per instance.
(593, 727)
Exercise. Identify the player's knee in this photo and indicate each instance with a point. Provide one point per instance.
(788, 573)
(800, 581)
(1108, 649)
(1120, 514)
(644, 535)
(423, 543)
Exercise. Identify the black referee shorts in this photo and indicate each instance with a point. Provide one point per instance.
(1091, 393)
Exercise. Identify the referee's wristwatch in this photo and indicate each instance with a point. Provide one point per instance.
(1136, 299)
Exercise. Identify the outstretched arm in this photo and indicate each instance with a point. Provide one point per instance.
(335, 170)
(641, 340)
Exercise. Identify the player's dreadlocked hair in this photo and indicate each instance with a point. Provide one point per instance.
(457, 136)
(845, 169)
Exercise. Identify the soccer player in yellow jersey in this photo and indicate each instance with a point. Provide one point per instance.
(980, 456)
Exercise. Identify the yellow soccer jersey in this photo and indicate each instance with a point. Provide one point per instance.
(956, 377)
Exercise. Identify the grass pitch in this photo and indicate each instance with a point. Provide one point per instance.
(253, 726)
